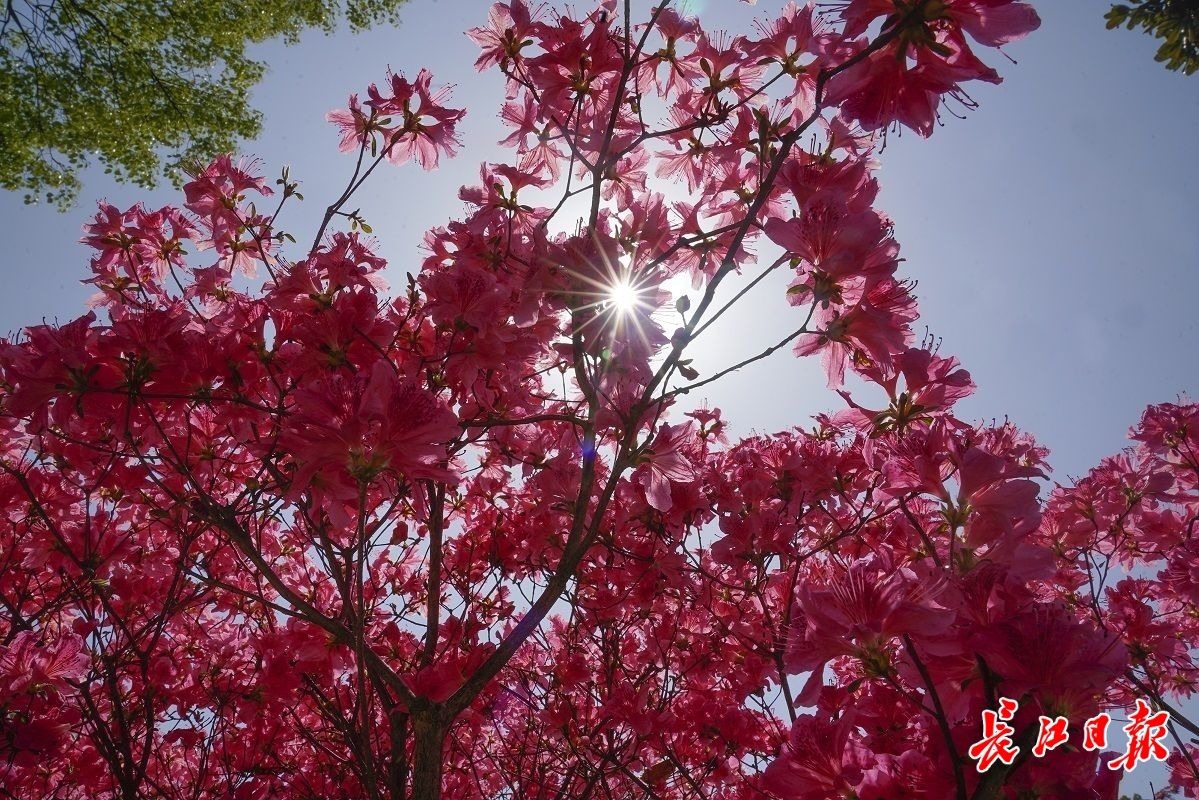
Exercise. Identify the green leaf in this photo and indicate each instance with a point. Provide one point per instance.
(1174, 22)
(138, 90)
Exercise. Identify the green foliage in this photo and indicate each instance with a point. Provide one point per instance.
(1175, 22)
(141, 86)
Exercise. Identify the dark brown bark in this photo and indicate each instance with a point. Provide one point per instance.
(429, 730)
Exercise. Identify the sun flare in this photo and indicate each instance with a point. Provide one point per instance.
(623, 296)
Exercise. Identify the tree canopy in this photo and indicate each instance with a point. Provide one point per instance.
(1175, 22)
(139, 86)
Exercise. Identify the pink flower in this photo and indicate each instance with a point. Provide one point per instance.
(31, 664)
(346, 431)
(859, 610)
(509, 28)
(412, 121)
(664, 464)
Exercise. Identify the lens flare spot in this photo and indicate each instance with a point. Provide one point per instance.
(623, 297)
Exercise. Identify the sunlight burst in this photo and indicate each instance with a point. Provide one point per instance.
(623, 296)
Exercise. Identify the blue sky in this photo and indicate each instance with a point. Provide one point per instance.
(1052, 232)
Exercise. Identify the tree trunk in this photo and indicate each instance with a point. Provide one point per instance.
(429, 731)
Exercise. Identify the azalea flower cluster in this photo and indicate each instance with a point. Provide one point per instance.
(274, 530)
(408, 123)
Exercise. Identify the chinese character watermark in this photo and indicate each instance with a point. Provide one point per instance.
(1145, 730)
(996, 744)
